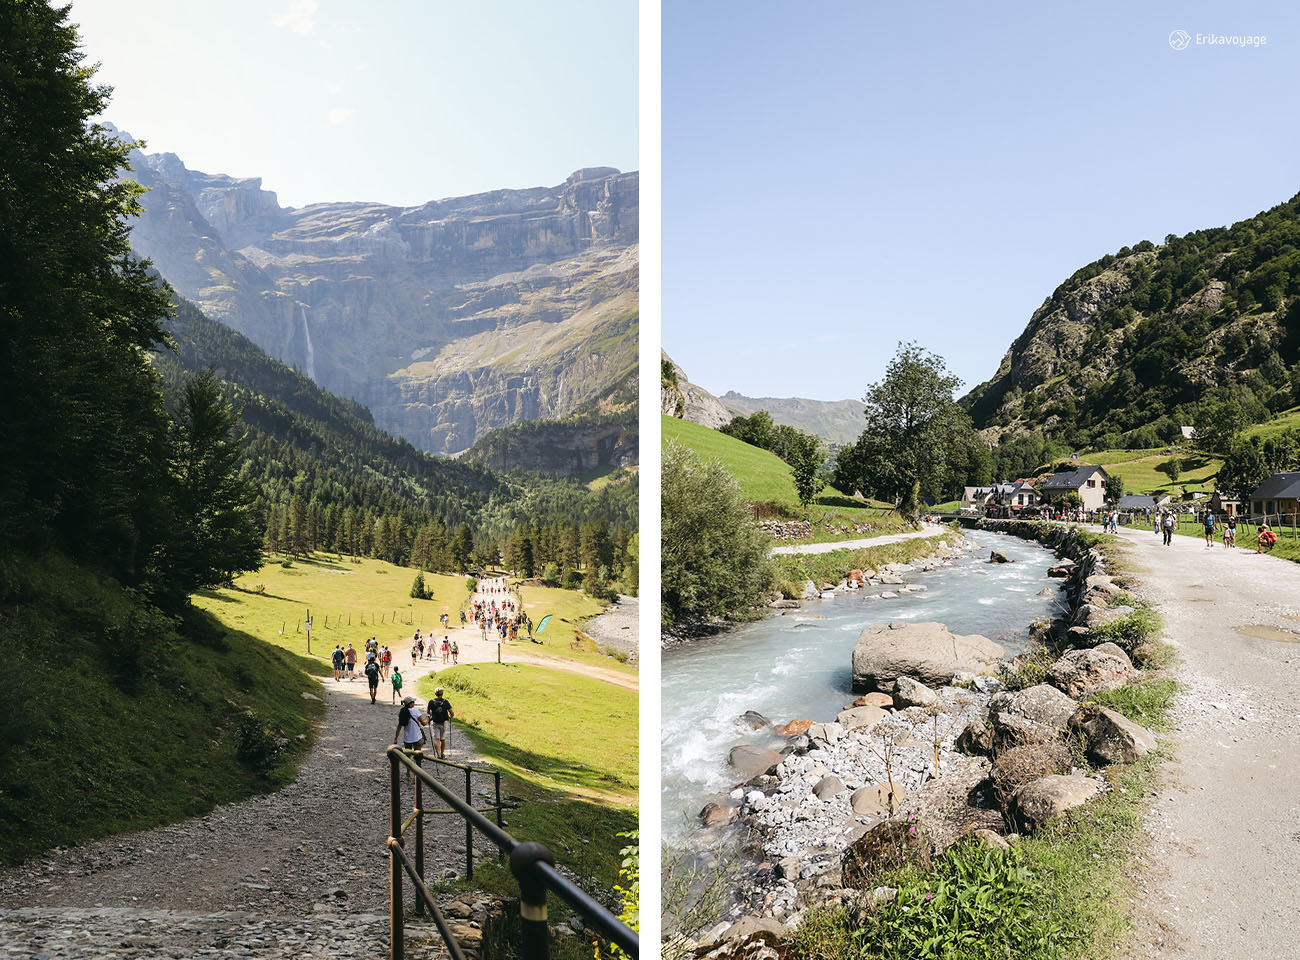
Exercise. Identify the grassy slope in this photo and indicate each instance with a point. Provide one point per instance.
(118, 719)
(569, 609)
(1139, 469)
(765, 477)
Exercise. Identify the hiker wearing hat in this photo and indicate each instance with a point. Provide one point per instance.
(440, 714)
(409, 721)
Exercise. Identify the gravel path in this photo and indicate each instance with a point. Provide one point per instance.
(310, 857)
(617, 626)
(927, 530)
(1225, 858)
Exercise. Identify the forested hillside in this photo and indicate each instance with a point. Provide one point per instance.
(1154, 337)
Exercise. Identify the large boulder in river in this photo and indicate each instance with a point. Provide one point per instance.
(927, 652)
(1081, 672)
(750, 760)
(1032, 715)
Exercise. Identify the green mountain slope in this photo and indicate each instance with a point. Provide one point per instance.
(1136, 344)
(839, 421)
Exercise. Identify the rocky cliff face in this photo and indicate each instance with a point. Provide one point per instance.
(448, 319)
(839, 421)
(680, 398)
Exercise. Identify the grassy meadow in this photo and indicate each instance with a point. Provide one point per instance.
(1141, 470)
(358, 596)
(563, 637)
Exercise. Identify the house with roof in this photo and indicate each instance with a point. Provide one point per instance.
(974, 498)
(1225, 504)
(1017, 495)
(1088, 481)
(1278, 498)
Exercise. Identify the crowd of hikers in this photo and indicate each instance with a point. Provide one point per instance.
(503, 618)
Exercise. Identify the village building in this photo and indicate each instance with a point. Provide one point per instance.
(1225, 504)
(1277, 499)
(1135, 503)
(1088, 481)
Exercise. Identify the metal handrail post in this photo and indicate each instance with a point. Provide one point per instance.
(469, 829)
(532, 898)
(419, 834)
(395, 934)
(496, 775)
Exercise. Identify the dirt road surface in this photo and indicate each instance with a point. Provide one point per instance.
(1224, 865)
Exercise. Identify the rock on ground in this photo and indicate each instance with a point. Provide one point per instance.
(927, 652)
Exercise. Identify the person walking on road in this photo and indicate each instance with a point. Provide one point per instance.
(1208, 521)
(350, 659)
(1230, 533)
(1169, 529)
(455, 652)
(372, 678)
(440, 714)
(337, 658)
(397, 683)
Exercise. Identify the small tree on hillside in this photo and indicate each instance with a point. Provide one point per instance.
(804, 454)
(1114, 488)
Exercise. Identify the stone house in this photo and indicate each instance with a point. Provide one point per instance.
(1088, 481)
(1225, 504)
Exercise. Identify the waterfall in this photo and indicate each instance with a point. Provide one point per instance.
(311, 354)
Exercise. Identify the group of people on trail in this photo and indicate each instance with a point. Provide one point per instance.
(1165, 523)
(412, 723)
(345, 661)
(421, 648)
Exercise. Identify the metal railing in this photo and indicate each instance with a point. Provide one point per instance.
(531, 863)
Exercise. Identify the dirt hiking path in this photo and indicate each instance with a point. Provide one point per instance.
(301, 873)
(927, 530)
(1225, 859)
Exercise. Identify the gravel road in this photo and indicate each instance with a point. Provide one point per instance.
(1225, 859)
(927, 530)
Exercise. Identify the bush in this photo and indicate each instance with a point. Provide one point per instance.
(977, 904)
(551, 574)
(471, 584)
(258, 745)
(1026, 670)
(419, 590)
(571, 580)
(715, 561)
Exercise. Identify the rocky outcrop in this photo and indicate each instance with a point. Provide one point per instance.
(448, 319)
(927, 652)
(684, 400)
(1111, 737)
(1032, 715)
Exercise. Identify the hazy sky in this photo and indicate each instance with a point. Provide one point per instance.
(400, 102)
(840, 180)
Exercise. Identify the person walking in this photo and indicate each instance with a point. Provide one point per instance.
(1208, 521)
(455, 652)
(1230, 532)
(410, 719)
(337, 658)
(440, 714)
(350, 659)
(397, 682)
(386, 659)
(446, 650)
(372, 678)
(1169, 528)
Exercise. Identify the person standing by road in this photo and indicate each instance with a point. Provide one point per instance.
(440, 714)
(1208, 521)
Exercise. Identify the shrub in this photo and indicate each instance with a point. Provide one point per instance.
(258, 745)
(471, 584)
(571, 580)
(419, 590)
(551, 574)
(1027, 669)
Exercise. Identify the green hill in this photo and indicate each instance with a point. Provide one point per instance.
(765, 479)
(1148, 339)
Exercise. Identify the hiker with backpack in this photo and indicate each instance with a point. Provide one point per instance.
(337, 657)
(397, 682)
(372, 678)
(440, 714)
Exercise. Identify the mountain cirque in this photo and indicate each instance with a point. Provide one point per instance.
(447, 320)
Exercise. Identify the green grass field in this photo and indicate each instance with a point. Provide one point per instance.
(349, 602)
(1141, 473)
(765, 478)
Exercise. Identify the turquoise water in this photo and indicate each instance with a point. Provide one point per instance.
(795, 666)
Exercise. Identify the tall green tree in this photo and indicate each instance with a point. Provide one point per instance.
(218, 534)
(85, 433)
(803, 452)
(915, 431)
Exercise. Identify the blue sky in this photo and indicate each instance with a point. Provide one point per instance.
(840, 175)
(399, 102)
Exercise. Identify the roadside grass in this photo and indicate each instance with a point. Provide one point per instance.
(118, 718)
(1146, 701)
(834, 566)
(556, 730)
(569, 609)
(1075, 891)
(358, 597)
(567, 746)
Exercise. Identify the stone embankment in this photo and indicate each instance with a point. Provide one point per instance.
(949, 741)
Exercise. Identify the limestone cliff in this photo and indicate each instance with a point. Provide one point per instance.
(448, 319)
